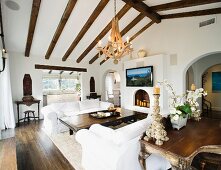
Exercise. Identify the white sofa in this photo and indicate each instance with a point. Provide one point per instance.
(54, 111)
(106, 149)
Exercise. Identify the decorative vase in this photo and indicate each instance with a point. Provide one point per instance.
(179, 123)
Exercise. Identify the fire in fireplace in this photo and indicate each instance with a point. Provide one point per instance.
(142, 99)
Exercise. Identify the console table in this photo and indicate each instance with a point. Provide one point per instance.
(27, 103)
(186, 143)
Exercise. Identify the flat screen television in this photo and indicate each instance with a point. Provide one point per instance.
(140, 77)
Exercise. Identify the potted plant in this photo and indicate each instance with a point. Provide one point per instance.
(179, 115)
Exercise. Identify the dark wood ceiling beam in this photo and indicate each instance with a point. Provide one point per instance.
(86, 27)
(123, 32)
(67, 12)
(133, 37)
(120, 14)
(193, 13)
(49, 67)
(33, 20)
(144, 9)
(182, 4)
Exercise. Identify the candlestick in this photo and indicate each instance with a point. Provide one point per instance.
(127, 39)
(193, 87)
(99, 43)
(156, 90)
(156, 130)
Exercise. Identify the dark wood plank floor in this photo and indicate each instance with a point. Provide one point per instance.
(35, 150)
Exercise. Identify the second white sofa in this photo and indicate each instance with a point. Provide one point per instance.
(106, 149)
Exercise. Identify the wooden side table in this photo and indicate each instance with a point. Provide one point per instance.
(186, 143)
(27, 103)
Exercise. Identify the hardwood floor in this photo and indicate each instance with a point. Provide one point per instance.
(35, 150)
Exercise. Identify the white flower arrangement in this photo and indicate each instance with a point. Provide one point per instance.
(192, 97)
(183, 105)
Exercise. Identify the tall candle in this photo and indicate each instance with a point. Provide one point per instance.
(156, 90)
(193, 87)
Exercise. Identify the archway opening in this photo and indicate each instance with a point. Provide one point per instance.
(206, 73)
(112, 87)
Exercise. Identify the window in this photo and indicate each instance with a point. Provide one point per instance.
(65, 83)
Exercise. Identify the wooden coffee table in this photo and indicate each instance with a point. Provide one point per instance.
(84, 121)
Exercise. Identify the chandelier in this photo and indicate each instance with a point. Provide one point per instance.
(115, 48)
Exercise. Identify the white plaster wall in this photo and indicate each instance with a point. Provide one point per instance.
(183, 38)
(159, 63)
(20, 65)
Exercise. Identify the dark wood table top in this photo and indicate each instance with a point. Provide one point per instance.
(85, 120)
(194, 138)
(25, 102)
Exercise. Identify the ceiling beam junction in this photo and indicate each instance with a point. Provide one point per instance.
(144, 9)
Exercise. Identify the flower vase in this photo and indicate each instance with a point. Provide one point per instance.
(179, 123)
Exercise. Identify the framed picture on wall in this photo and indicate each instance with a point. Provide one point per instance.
(216, 82)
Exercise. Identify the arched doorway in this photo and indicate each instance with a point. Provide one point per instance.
(112, 87)
(200, 73)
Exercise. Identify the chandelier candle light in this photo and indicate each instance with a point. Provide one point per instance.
(156, 130)
(115, 47)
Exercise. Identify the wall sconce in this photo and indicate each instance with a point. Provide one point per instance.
(3, 59)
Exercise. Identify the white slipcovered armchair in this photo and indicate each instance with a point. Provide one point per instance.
(106, 149)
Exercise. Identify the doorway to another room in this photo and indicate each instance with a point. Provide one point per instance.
(206, 73)
(112, 88)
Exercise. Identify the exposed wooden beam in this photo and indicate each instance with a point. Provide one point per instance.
(144, 9)
(123, 32)
(50, 72)
(33, 20)
(120, 14)
(182, 4)
(67, 12)
(86, 27)
(141, 31)
(133, 37)
(193, 13)
(49, 67)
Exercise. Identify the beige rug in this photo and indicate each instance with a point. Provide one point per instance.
(69, 147)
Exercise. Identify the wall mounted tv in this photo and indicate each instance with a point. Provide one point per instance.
(140, 77)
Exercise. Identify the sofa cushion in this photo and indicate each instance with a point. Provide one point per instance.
(124, 134)
(102, 131)
(106, 105)
(89, 104)
(56, 106)
(70, 108)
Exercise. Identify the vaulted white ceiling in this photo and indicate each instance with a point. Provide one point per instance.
(16, 24)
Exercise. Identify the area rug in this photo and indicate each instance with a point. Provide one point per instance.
(69, 147)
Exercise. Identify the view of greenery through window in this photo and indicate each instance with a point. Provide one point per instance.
(57, 84)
